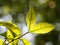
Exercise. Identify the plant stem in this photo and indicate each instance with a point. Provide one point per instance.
(4, 42)
(19, 37)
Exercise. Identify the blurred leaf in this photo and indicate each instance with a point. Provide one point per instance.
(15, 42)
(25, 42)
(9, 36)
(30, 17)
(1, 41)
(12, 27)
(13, 31)
(42, 28)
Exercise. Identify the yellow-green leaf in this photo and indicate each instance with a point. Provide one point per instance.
(41, 28)
(25, 42)
(1, 41)
(15, 42)
(9, 35)
(12, 27)
(30, 17)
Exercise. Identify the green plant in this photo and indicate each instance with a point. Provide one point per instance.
(13, 35)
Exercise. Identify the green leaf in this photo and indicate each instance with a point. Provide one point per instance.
(15, 42)
(1, 41)
(30, 17)
(12, 27)
(42, 28)
(25, 42)
(9, 35)
(12, 33)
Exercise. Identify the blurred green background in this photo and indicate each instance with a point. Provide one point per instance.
(46, 10)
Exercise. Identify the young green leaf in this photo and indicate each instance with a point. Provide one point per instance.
(15, 42)
(1, 41)
(12, 27)
(25, 42)
(30, 17)
(12, 33)
(9, 35)
(42, 28)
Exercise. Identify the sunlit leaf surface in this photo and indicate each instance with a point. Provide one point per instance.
(42, 28)
(12, 33)
(39, 28)
(1, 41)
(9, 35)
(15, 42)
(12, 27)
(30, 17)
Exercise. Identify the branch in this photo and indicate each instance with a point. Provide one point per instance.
(4, 42)
(18, 37)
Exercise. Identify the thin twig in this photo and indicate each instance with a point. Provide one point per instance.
(18, 37)
(4, 42)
